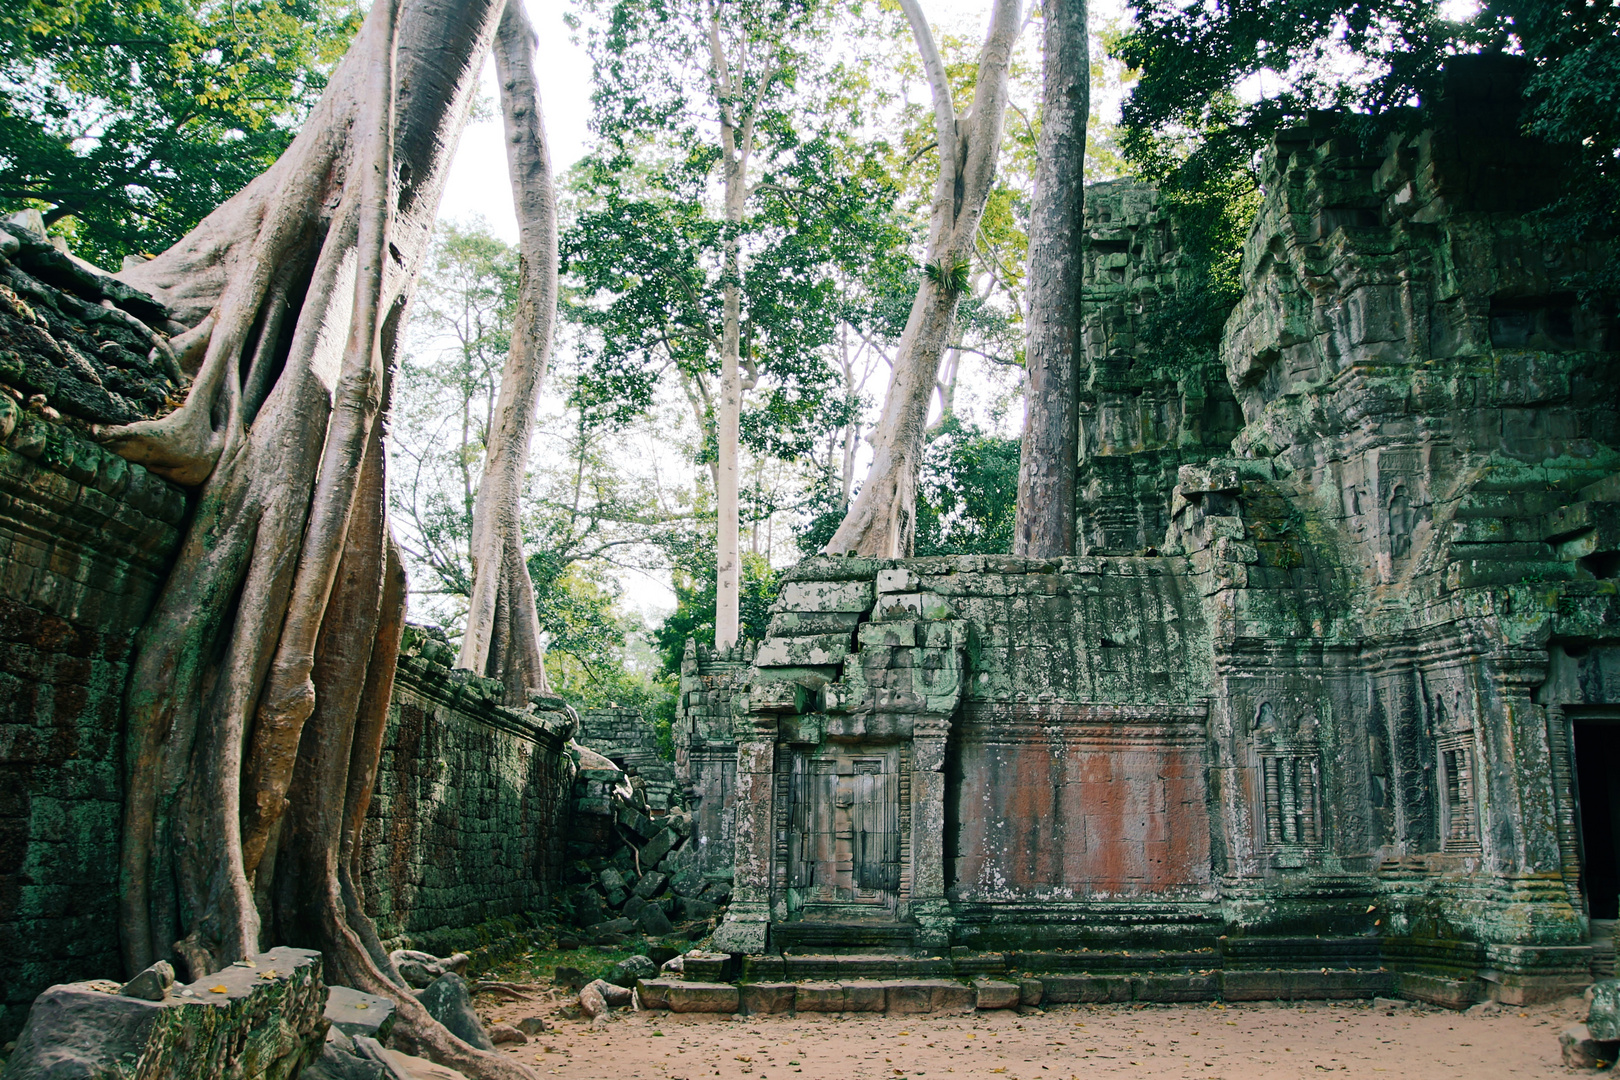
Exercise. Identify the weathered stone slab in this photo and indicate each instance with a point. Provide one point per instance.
(655, 992)
(826, 596)
(355, 1013)
(1069, 989)
(244, 1023)
(824, 997)
(697, 997)
(1304, 985)
(996, 994)
(928, 996)
(771, 997)
(1173, 988)
(809, 651)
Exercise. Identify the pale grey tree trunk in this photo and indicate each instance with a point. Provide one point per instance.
(503, 628)
(1050, 450)
(881, 522)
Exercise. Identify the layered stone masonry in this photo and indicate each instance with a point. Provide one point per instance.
(1147, 405)
(625, 737)
(85, 540)
(469, 818)
(1335, 724)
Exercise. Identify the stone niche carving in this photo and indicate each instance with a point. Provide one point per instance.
(1289, 764)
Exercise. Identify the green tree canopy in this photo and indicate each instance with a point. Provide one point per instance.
(127, 122)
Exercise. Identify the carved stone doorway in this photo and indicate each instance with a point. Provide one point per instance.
(847, 819)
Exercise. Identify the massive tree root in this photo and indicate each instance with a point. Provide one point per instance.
(262, 680)
(503, 625)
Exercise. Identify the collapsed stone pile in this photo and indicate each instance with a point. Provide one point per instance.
(634, 868)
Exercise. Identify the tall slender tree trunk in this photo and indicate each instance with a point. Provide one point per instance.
(503, 626)
(261, 682)
(736, 145)
(881, 522)
(1049, 454)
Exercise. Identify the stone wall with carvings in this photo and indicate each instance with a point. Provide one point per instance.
(1335, 724)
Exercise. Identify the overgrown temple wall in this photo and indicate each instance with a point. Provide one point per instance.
(470, 813)
(1311, 703)
(471, 799)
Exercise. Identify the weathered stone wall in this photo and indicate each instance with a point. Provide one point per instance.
(85, 539)
(469, 817)
(1147, 405)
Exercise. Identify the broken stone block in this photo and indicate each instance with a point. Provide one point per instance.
(1030, 991)
(449, 1001)
(152, 984)
(650, 885)
(654, 921)
(532, 1025)
(627, 972)
(507, 1034)
(418, 969)
(654, 993)
(697, 909)
(1603, 1017)
(1581, 1051)
(356, 1013)
(658, 847)
(247, 1022)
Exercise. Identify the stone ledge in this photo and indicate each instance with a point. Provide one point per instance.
(263, 1022)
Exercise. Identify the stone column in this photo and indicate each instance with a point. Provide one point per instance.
(928, 904)
(748, 920)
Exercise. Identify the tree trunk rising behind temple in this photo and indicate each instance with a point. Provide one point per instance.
(260, 685)
(1052, 359)
(881, 522)
(503, 627)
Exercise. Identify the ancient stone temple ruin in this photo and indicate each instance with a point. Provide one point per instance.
(1328, 702)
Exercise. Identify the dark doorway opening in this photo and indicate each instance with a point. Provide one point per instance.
(1597, 779)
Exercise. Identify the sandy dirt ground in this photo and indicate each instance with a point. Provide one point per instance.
(1232, 1042)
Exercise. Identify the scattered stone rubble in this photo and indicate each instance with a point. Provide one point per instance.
(633, 870)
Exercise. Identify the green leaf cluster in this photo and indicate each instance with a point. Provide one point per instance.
(127, 121)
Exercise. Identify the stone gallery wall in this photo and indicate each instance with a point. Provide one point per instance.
(1341, 695)
(470, 812)
(85, 539)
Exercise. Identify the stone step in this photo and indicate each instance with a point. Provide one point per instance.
(943, 995)
(893, 996)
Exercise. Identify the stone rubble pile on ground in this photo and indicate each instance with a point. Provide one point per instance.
(1596, 1043)
(633, 869)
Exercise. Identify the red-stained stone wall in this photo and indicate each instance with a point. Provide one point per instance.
(1078, 802)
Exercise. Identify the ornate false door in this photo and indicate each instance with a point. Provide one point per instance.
(844, 825)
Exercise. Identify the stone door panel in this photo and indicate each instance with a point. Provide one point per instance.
(843, 831)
